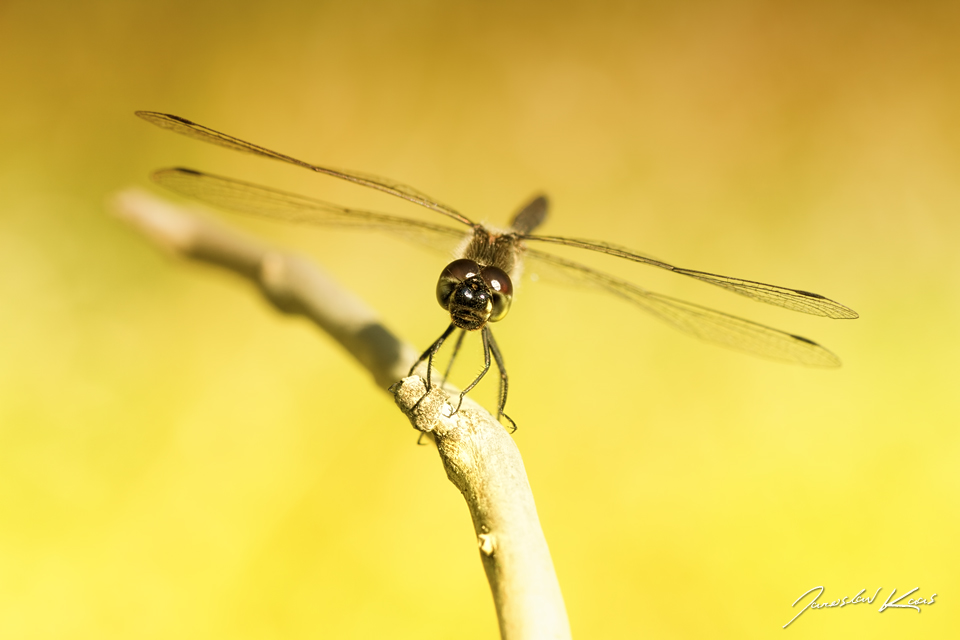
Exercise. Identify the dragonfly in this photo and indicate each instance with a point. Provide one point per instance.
(477, 287)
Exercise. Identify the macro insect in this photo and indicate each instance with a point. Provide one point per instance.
(477, 287)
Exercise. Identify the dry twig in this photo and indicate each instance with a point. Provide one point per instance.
(479, 456)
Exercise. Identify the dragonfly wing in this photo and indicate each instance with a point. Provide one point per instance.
(244, 197)
(705, 323)
(793, 299)
(200, 132)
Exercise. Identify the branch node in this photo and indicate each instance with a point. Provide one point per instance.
(275, 282)
(487, 543)
(427, 411)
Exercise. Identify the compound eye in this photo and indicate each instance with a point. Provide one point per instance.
(451, 276)
(501, 289)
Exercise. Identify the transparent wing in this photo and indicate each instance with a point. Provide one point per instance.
(793, 299)
(245, 197)
(702, 322)
(200, 132)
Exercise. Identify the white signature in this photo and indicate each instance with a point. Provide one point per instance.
(912, 603)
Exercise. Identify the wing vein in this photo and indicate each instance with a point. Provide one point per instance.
(200, 132)
(702, 322)
(793, 299)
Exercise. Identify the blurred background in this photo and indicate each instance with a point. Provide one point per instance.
(177, 460)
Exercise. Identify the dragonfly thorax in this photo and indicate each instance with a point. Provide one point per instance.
(474, 295)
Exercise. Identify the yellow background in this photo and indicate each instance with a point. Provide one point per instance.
(178, 461)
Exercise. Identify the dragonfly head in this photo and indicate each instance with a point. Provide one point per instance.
(474, 295)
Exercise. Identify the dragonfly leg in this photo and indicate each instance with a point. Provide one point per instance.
(431, 352)
(498, 357)
(484, 334)
(453, 356)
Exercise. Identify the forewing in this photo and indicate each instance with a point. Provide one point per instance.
(200, 132)
(701, 322)
(793, 299)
